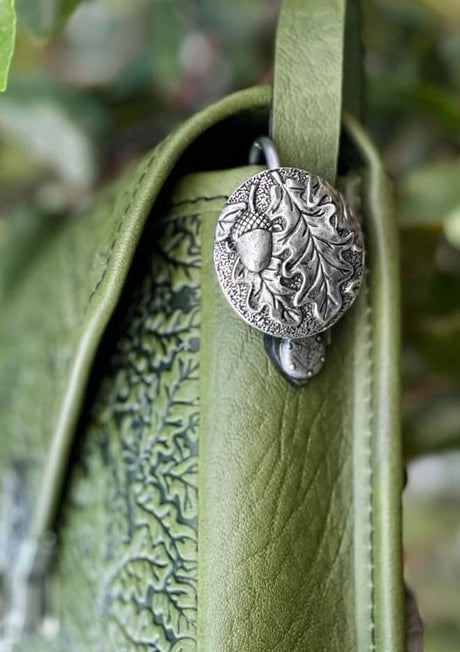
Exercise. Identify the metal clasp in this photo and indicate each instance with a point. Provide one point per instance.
(265, 146)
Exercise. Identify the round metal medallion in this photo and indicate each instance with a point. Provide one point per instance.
(288, 253)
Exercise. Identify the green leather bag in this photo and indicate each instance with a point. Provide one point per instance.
(165, 487)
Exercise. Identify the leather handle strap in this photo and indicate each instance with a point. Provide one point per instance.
(307, 92)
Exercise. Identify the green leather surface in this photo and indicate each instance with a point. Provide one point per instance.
(299, 495)
(307, 88)
(210, 505)
(292, 483)
(299, 539)
(298, 490)
(128, 541)
(60, 297)
(383, 411)
(128, 531)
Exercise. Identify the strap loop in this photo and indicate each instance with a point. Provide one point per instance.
(307, 93)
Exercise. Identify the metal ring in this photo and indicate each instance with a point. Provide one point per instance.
(264, 145)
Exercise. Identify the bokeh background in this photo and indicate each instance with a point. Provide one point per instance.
(95, 83)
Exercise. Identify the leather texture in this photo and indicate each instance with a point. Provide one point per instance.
(60, 295)
(208, 505)
(128, 535)
(299, 529)
(307, 88)
(287, 484)
(291, 483)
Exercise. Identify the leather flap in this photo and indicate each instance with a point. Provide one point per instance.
(60, 300)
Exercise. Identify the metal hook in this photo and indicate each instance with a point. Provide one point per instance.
(265, 146)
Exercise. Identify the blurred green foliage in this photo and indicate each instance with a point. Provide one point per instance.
(413, 66)
(431, 538)
(95, 83)
(7, 37)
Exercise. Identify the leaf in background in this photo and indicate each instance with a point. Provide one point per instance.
(167, 36)
(234, 20)
(7, 38)
(55, 128)
(422, 99)
(43, 17)
(437, 337)
(447, 9)
(452, 226)
(430, 217)
(100, 41)
(432, 424)
(16, 169)
(429, 194)
(24, 230)
(418, 250)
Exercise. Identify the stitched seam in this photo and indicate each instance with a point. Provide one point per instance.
(131, 200)
(369, 462)
(132, 197)
(106, 265)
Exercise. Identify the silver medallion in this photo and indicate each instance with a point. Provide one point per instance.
(288, 253)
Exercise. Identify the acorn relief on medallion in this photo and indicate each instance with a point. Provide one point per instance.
(288, 253)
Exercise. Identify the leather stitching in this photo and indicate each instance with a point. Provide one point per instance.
(132, 197)
(105, 266)
(370, 386)
(130, 202)
(134, 192)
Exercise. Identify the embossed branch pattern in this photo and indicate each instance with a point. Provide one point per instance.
(130, 522)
